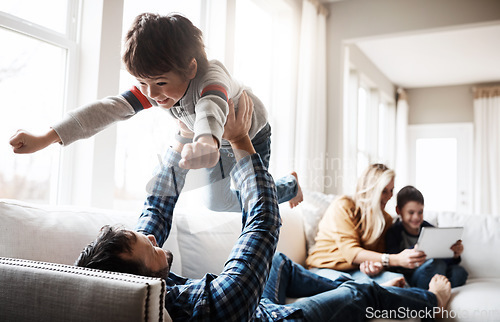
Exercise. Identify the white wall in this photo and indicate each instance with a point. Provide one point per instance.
(364, 65)
(361, 19)
(445, 104)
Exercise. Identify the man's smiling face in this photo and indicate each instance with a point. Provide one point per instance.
(145, 250)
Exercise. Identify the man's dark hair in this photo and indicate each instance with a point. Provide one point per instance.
(104, 252)
(157, 44)
(407, 194)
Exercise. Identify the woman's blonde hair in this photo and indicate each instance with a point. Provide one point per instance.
(367, 199)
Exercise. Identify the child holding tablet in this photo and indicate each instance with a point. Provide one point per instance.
(404, 235)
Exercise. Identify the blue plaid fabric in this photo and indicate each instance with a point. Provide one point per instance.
(235, 294)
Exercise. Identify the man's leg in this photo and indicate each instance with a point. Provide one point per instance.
(381, 278)
(330, 273)
(354, 301)
(289, 279)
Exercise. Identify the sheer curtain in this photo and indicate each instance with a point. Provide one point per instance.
(487, 155)
(401, 167)
(310, 120)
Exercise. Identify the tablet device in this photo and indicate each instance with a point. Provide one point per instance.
(436, 242)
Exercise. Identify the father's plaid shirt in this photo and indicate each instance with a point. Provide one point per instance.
(234, 295)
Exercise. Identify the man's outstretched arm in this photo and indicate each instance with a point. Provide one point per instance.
(165, 186)
(236, 292)
(163, 192)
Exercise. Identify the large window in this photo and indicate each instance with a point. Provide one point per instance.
(38, 85)
(369, 134)
(232, 37)
(264, 61)
(39, 51)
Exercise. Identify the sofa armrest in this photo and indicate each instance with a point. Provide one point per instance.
(36, 291)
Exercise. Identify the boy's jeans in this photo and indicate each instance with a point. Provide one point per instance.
(343, 299)
(220, 197)
(422, 275)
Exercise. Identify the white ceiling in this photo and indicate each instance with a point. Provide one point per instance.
(442, 58)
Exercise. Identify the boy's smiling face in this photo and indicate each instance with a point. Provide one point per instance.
(412, 216)
(166, 89)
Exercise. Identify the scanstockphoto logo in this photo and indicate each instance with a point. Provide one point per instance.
(477, 315)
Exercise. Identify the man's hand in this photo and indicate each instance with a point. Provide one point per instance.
(203, 153)
(237, 127)
(25, 142)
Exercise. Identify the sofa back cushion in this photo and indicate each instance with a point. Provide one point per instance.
(58, 234)
(206, 238)
(481, 240)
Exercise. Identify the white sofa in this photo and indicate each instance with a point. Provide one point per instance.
(34, 237)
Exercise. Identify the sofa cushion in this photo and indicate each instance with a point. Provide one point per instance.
(206, 238)
(312, 209)
(481, 240)
(58, 234)
(476, 301)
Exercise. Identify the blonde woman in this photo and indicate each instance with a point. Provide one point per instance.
(351, 235)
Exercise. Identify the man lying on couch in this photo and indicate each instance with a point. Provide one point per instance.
(254, 282)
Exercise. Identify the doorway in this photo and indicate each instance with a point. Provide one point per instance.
(440, 165)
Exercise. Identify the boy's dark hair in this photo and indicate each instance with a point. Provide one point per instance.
(104, 252)
(157, 44)
(407, 194)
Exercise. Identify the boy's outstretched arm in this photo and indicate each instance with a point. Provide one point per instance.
(25, 142)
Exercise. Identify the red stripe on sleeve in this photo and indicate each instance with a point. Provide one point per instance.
(143, 99)
(218, 88)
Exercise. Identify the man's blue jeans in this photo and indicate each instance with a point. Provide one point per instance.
(219, 195)
(357, 275)
(322, 299)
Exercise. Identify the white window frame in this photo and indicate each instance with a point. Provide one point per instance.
(355, 81)
(60, 182)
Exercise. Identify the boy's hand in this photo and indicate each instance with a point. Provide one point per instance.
(203, 153)
(457, 249)
(25, 142)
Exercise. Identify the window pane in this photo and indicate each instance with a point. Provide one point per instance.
(31, 93)
(362, 125)
(247, 55)
(387, 122)
(189, 8)
(48, 13)
(436, 173)
(269, 72)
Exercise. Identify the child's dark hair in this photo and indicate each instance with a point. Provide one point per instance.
(157, 44)
(407, 194)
